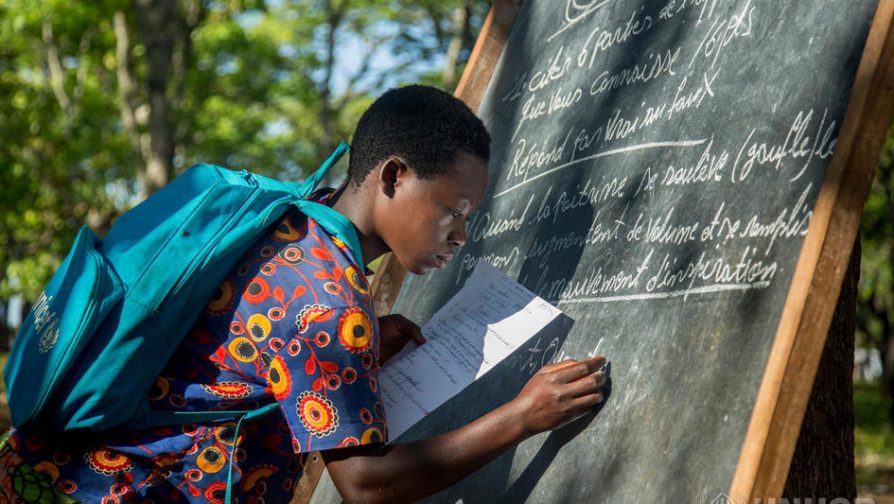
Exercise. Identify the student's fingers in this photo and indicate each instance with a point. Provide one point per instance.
(578, 370)
(552, 368)
(409, 328)
(587, 401)
(589, 384)
(559, 365)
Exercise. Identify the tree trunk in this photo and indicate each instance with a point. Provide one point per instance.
(887, 351)
(5, 336)
(127, 85)
(57, 76)
(23, 312)
(460, 32)
(158, 23)
(887, 356)
(334, 17)
(193, 15)
(823, 463)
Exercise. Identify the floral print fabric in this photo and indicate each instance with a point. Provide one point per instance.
(293, 323)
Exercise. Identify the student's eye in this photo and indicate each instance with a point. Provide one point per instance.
(455, 213)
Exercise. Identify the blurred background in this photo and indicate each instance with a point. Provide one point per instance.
(103, 102)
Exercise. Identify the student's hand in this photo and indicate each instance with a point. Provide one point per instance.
(409, 472)
(394, 332)
(560, 393)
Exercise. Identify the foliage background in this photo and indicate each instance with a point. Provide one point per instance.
(104, 101)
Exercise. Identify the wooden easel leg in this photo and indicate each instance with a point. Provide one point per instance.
(823, 463)
(304, 487)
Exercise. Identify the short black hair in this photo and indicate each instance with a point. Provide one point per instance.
(423, 125)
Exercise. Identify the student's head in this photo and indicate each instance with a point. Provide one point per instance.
(424, 126)
(423, 155)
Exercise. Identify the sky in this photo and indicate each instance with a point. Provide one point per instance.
(352, 50)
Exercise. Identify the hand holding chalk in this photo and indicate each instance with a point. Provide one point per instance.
(560, 393)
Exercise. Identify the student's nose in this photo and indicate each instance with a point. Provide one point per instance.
(458, 236)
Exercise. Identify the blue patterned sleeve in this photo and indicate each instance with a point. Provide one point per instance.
(322, 370)
(333, 400)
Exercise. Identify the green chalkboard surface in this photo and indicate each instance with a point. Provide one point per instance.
(655, 167)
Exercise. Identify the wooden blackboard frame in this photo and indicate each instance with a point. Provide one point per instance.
(801, 335)
(791, 368)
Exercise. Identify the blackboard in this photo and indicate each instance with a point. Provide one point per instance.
(656, 172)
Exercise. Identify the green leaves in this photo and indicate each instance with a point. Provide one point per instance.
(875, 314)
(251, 85)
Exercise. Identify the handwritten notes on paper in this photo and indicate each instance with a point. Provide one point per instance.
(488, 319)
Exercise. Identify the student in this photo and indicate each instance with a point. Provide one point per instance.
(294, 323)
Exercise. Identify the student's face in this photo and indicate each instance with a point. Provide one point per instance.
(425, 220)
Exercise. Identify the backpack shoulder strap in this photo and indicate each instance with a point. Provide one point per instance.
(307, 188)
(332, 221)
(335, 223)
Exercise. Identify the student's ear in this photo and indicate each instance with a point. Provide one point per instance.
(390, 175)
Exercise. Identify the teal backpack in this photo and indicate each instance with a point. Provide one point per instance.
(116, 309)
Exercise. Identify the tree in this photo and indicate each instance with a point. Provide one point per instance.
(52, 68)
(411, 32)
(875, 310)
(109, 99)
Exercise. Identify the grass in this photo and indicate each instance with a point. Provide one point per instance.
(873, 438)
(874, 432)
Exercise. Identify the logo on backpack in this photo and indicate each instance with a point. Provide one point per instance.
(46, 323)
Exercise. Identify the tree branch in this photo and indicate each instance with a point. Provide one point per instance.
(436, 15)
(459, 28)
(83, 67)
(361, 72)
(196, 11)
(157, 22)
(127, 86)
(334, 17)
(57, 75)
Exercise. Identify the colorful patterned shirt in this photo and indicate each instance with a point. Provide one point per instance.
(293, 323)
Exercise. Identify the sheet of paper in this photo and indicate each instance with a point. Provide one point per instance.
(488, 319)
